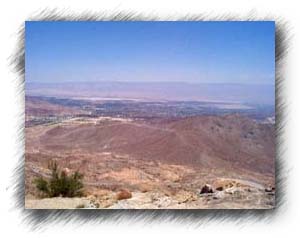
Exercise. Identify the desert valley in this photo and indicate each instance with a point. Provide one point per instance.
(152, 154)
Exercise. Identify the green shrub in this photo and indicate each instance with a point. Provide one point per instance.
(41, 184)
(60, 183)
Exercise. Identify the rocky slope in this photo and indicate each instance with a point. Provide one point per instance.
(167, 159)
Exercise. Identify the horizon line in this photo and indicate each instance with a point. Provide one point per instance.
(165, 82)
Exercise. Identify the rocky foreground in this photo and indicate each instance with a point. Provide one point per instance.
(228, 194)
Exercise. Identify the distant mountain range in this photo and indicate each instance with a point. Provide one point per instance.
(152, 91)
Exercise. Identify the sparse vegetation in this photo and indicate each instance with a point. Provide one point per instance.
(61, 183)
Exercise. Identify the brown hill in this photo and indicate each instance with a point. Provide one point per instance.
(35, 106)
(230, 141)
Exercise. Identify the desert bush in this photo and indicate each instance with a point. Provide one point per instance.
(60, 183)
(42, 185)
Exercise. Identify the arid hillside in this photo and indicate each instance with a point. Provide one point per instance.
(208, 141)
(164, 156)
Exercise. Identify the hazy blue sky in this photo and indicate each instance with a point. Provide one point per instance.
(210, 52)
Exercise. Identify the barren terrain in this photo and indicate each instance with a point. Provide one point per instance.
(163, 162)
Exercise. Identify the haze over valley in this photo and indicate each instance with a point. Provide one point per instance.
(158, 91)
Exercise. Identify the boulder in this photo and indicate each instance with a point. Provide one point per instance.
(124, 194)
(269, 189)
(206, 189)
(218, 195)
(219, 188)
